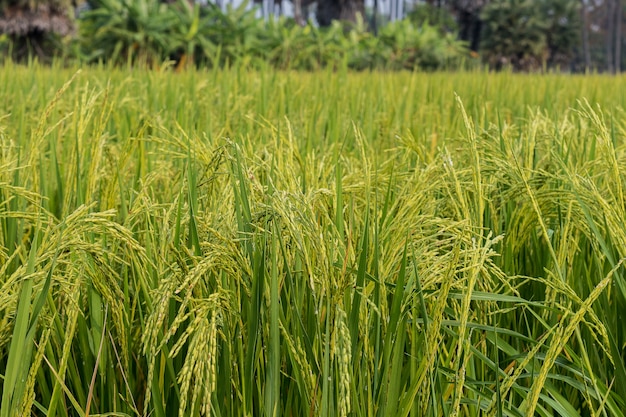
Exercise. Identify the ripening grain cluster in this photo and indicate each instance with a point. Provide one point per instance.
(259, 243)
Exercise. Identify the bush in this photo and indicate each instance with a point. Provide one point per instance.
(151, 32)
(439, 17)
(146, 30)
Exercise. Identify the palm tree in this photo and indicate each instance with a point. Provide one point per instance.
(30, 23)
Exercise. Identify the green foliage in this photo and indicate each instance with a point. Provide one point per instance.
(428, 14)
(119, 31)
(399, 45)
(527, 34)
(514, 34)
(146, 30)
(421, 47)
(563, 29)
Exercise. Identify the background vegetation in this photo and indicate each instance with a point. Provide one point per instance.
(565, 35)
(147, 30)
(242, 242)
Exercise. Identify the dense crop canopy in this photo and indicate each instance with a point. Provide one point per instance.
(262, 243)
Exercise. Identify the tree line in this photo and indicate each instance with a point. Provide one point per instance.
(576, 35)
(526, 35)
(581, 35)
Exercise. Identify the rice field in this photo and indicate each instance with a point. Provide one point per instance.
(262, 243)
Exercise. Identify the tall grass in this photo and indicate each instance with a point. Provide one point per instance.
(266, 243)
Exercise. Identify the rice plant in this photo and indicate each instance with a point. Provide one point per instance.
(237, 242)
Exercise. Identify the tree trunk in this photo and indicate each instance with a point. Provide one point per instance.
(470, 28)
(468, 19)
(375, 18)
(618, 36)
(585, 35)
(347, 10)
(610, 34)
(297, 12)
